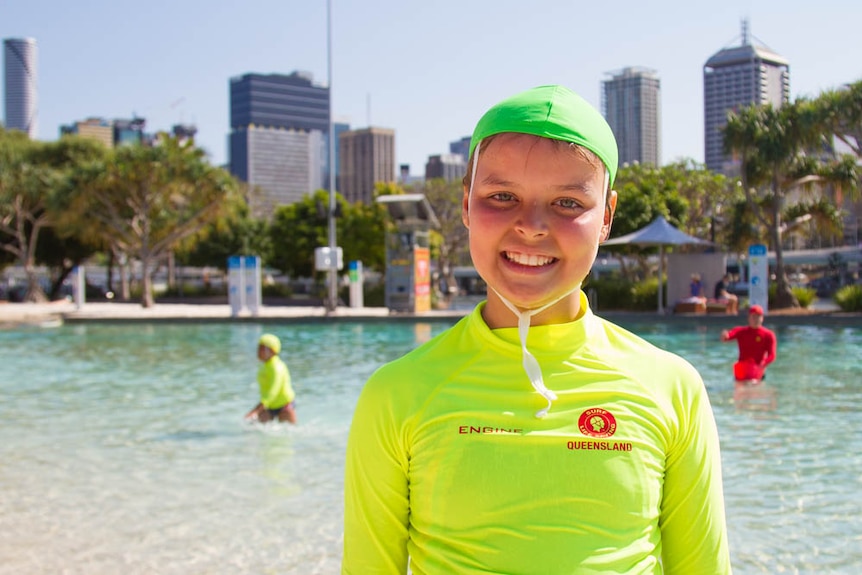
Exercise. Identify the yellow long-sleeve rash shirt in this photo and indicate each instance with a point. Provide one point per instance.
(448, 465)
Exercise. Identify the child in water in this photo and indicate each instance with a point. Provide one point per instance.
(273, 378)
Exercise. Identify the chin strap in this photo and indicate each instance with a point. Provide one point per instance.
(531, 364)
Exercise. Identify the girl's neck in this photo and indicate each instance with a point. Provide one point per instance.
(497, 315)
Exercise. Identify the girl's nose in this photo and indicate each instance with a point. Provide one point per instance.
(532, 221)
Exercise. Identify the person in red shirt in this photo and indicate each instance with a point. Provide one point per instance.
(757, 346)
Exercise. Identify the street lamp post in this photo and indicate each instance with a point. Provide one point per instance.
(332, 300)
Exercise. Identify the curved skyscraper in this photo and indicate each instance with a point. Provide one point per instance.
(20, 59)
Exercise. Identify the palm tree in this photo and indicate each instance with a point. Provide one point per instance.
(840, 113)
(780, 151)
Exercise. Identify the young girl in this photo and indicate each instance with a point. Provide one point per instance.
(273, 378)
(533, 436)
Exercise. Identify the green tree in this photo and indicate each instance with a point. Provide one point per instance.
(741, 228)
(445, 199)
(32, 175)
(144, 200)
(839, 112)
(24, 189)
(297, 229)
(363, 235)
(774, 147)
(234, 232)
(685, 193)
(59, 247)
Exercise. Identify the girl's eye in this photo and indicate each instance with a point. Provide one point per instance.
(503, 196)
(568, 203)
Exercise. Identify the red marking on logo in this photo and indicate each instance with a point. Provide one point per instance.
(596, 422)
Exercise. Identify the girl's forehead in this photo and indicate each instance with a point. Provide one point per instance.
(528, 144)
(508, 139)
(510, 153)
(508, 157)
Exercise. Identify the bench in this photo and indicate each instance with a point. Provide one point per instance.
(689, 307)
(718, 306)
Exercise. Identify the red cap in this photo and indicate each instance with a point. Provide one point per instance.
(756, 309)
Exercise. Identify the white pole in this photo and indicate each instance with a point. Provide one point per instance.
(332, 302)
(660, 283)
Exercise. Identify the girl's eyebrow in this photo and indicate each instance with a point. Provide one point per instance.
(493, 180)
(579, 187)
(582, 187)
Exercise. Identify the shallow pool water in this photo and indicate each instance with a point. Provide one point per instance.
(123, 450)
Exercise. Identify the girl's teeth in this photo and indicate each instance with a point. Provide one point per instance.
(525, 260)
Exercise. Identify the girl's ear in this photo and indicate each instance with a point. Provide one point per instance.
(465, 208)
(610, 208)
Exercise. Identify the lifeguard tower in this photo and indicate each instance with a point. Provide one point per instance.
(408, 253)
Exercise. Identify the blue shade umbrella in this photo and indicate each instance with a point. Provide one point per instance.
(658, 233)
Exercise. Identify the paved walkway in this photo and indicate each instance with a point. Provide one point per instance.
(67, 312)
(33, 313)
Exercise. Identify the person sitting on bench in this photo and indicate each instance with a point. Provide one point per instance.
(722, 295)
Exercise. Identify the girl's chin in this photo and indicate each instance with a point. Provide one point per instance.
(527, 299)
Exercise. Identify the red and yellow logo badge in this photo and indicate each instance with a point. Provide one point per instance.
(596, 422)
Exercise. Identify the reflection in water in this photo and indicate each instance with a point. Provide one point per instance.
(276, 457)
(754, 397)
(421, 332)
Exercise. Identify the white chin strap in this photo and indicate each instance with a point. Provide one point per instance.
(531, 364)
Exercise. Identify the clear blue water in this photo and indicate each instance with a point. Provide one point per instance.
(123, 450)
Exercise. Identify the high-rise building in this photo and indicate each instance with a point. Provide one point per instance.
(280, 165)
(450, 167)
(279, 136)
(119, 132)
(95, 128)
(337, 127)
(405, 178)
(184, 132)
(279, 101)
(631, 103)
(461, 146)
(734, 78)
(366, 157)
(130, 132)
(20, 56)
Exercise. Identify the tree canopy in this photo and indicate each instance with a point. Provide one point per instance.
(32, 195)
(688, 195)
(785, 155)
(145, 200)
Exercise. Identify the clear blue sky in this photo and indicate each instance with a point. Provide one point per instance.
(426, 69)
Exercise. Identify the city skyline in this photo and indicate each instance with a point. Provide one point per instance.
(427, 72)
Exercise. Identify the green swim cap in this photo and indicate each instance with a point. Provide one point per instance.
(270, 341)
(552, 112)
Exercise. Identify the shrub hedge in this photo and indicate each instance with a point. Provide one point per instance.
(849, 298)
